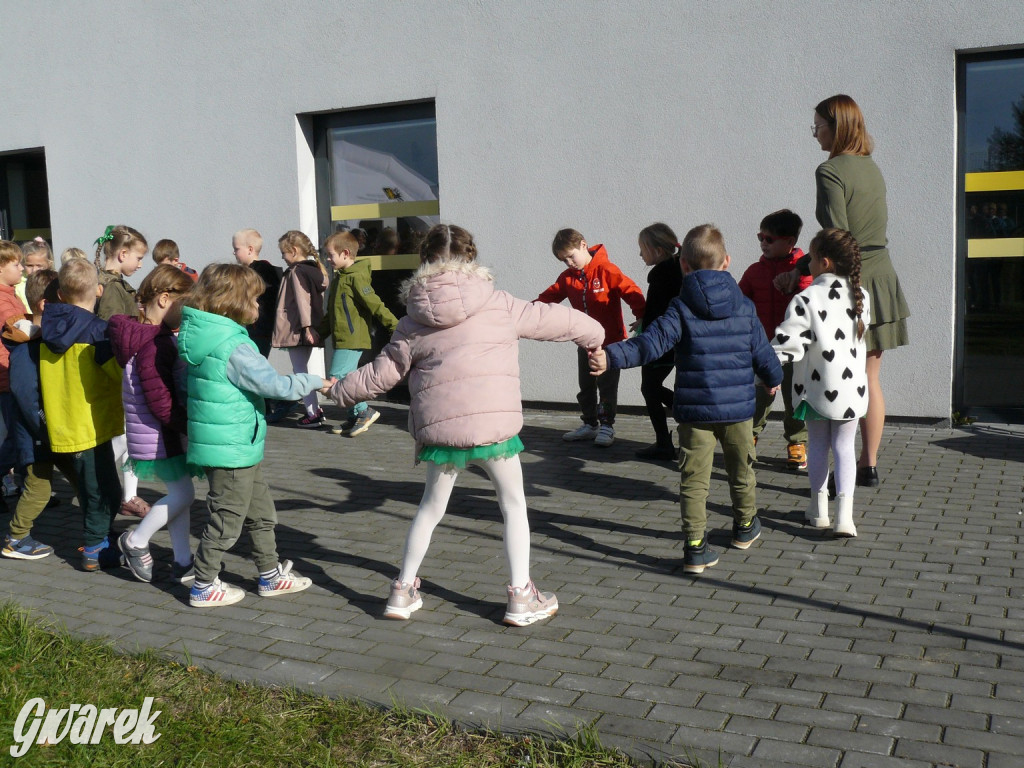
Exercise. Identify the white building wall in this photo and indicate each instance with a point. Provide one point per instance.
(179, 118)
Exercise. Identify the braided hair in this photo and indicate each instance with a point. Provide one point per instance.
(447, 242)
(115, 239)
(840, 247)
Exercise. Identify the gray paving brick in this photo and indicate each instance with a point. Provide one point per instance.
(940, 753)
(797, 754)
(905, 638)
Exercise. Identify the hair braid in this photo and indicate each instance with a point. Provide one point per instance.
(858, 293)
(840, 247)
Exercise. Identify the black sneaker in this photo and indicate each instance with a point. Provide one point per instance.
(867, 477)
(696, 559)
(658, 452)
(745, 535)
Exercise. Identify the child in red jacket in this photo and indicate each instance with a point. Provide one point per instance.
(778, 236)
(594, 285)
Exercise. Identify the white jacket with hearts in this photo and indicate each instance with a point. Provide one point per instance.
(819, 336)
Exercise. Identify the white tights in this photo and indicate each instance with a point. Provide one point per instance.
(507, 476)
(130, 483)
(841, 437)
(173, 511)
(308, 360)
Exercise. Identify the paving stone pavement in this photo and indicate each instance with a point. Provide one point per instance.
(901, 647)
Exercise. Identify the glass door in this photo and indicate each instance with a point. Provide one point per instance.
(990, 354)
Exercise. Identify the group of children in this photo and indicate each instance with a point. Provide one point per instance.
(180, 374)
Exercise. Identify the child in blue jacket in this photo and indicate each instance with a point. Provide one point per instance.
(719, 347)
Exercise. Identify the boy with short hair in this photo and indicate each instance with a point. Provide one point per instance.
(166, 252)
(247, 244)
(595, 286)
(81, 386)
(21, 337)
(352, 305)
(719, 346)
(778, 236)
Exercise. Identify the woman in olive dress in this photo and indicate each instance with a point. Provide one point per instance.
(851, 196)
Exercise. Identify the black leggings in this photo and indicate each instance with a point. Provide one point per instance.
(657, 398)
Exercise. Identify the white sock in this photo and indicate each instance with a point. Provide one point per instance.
(172, 511)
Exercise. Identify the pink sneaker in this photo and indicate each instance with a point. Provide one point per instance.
(527, 605)
(405, 599)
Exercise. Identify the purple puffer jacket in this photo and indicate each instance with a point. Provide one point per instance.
(155, 417)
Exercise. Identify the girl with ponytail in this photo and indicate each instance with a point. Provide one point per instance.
(823, 336)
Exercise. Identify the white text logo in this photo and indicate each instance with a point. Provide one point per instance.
(82, 724)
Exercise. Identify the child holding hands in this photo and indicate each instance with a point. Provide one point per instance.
(719, 346)
(459, 345)
(227, 381)
(822, 335)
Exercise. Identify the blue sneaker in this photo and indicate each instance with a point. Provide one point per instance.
(101, 555)
(745, 535)
(25, 548)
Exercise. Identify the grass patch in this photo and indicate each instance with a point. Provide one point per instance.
(208, 721)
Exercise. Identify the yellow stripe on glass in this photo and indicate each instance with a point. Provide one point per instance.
(29, 234)
(995, 181)
(385, 210)
(392, 261)
(996, 248)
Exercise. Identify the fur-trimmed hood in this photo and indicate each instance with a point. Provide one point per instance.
(446, 293)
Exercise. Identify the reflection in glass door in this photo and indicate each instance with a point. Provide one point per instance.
(991, 252)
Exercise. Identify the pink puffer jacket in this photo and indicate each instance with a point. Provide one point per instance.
(459, 344)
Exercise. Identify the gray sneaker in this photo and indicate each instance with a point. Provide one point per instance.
(527, 605)
(404, 600)
(344, 428)
(582, 432)
(605, 436)
(138, 560)
(363, 422)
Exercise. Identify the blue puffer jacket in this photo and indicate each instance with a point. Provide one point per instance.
(719, 347)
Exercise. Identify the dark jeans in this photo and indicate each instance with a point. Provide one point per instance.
(99, 490)
(657, 398)
(606, 387)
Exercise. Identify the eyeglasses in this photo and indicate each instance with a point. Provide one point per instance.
(767, 239)
(817, 127)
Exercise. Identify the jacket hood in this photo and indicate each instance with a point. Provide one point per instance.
(202, 332)
(129, 335)
(711, 294)
(598, 257)
(65, 325)
(445, 293)
(316, 275)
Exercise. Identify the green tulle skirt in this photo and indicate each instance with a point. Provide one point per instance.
(167, 470)
(805, 412)
(458, 458)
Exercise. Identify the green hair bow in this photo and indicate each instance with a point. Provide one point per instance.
(106, 236)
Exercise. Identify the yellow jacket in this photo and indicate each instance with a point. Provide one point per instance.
(80, 379)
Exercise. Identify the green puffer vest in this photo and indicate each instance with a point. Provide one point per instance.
(226, 427)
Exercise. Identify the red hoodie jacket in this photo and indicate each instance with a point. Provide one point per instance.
(597, 290)
(757, 286)
(10, 305)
